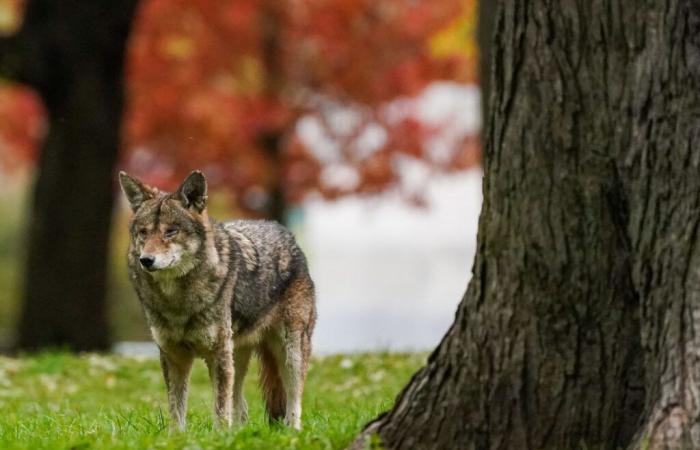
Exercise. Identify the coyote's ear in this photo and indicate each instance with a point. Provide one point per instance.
(193, 191)
(135, 191)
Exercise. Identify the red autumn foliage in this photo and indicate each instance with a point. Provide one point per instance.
(210, 81)
(227, 85)
(22, 125)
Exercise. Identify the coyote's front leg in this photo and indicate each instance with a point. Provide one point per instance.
(220, 364)
(176, 367)
(241, 358)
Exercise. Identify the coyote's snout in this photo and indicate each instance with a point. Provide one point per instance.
(220, 291)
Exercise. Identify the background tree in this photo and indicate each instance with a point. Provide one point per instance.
(578, 329)
(71, 53)
(244, 75)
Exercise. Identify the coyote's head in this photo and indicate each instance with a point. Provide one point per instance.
(168, 231)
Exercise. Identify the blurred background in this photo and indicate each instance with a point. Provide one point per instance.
(354, 122)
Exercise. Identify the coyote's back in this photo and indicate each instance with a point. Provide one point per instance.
(272, 262)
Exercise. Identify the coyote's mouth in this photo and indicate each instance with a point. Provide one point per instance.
(172, 268)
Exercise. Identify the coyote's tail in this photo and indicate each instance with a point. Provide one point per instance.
(271, 384)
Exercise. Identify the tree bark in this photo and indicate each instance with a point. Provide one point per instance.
(577, 329)
(661, 164)
(72, 53)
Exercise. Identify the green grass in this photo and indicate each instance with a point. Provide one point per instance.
(62, 401)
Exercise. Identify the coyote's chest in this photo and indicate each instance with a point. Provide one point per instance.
(200, 339)
(190, 321)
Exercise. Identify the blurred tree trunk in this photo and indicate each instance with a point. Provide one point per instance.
(579, 326)
(272, 140)
(72, 53)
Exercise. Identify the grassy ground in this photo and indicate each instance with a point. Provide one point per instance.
(60, 401)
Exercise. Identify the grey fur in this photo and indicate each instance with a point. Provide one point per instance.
(219, 288)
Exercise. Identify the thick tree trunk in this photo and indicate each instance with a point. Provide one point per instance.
(578, 327)
(72, 53)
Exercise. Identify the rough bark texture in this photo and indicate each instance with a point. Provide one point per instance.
(578, 327)
(72, 53)
(661, 161)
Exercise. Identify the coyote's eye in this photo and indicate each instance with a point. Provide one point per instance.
(143, 233)
(171, 231)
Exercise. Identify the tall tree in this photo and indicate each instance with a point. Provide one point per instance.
(578, 328)
(72, 53)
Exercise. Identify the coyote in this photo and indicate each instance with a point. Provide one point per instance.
(220, 291)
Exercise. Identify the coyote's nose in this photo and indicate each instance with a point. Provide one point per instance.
(147, 261)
